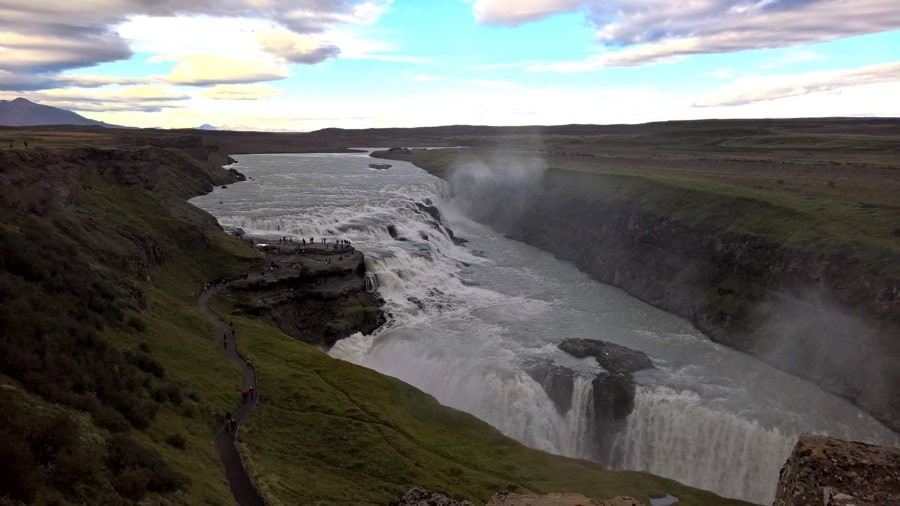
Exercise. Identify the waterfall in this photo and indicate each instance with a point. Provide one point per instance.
(466, 320)
(672, 433)
(578, 419)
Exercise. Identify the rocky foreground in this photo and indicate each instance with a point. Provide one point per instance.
(829, 472)
(421, 497)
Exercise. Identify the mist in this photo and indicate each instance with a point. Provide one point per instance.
(499, 188)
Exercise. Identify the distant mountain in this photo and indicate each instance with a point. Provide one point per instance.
(206, 126)
(23, 112)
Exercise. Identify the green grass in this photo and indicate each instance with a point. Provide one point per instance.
(804, 223)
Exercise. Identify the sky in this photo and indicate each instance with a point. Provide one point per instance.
(302, 65)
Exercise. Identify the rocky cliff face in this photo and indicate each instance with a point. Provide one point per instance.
(830, 319)
(827, 471)
(313, 293)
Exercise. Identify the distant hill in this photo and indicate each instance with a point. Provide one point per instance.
(23, 112)
(206, 126)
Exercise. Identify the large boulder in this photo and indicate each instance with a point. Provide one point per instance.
(613, 396)
(829, 472)
(611, 356)
(418, 496)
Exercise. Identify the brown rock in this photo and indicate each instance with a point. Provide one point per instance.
(558, 499)
(830, 472)
(417, 496)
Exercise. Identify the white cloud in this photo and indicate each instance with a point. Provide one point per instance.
(638, 32)
(125, 98)
(516, 12)
(48, 36)
(241, 92)
(208, 69)
(357, 47)
(753, 89)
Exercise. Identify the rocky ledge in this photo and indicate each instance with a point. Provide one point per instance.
(420, 497)
(611, 356)
(830, 472)
(314, 292)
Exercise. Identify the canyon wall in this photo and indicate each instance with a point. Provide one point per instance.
(827, 317)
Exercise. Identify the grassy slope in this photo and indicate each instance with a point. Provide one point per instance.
(183, 340)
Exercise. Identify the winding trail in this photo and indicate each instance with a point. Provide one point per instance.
(240, 482)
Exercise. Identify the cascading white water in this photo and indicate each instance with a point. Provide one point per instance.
(672, 433)
(467, 319)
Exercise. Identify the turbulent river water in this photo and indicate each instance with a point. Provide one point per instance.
(465, 320)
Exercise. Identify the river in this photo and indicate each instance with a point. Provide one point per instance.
(465, 320)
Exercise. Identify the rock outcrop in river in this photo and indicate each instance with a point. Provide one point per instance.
(612, 390)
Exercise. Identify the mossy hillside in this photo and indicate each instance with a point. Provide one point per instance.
(98, 293)
(179, 337)
(330, 432)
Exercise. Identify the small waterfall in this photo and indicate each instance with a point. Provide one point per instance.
(371, 282)
(578, 419)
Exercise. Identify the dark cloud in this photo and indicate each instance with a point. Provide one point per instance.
(62, 49)
(297, 48)
(316, 55)
(43, 38)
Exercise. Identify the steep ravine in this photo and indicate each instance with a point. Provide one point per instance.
(829, 318)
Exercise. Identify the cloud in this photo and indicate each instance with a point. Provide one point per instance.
(68, 48)
(210, 69)
(128, 98)
(29, 81)
(517, 12)
(296, 48)
(49, 36)
(241, 92)
(639, 32)
(752, 89)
